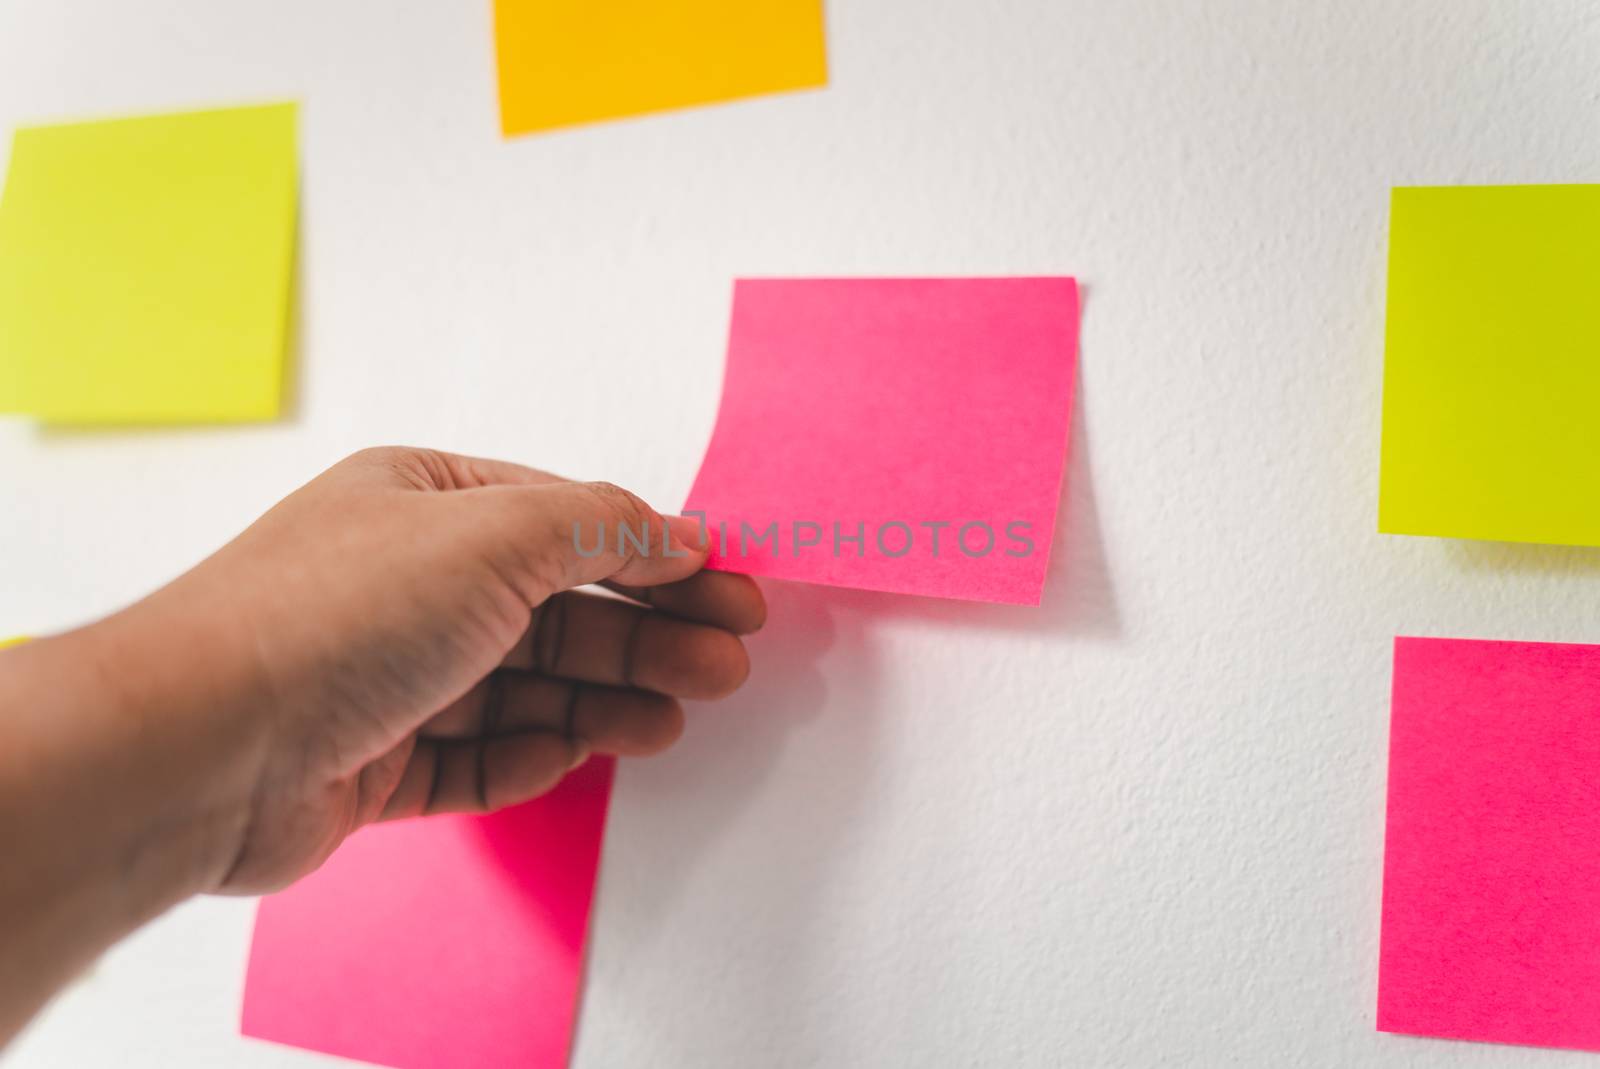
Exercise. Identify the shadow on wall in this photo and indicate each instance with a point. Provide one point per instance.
(1079, 601)
(1524, 558)
(680, 810)
(681, 807)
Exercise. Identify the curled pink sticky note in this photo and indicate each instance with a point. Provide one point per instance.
(904, 435)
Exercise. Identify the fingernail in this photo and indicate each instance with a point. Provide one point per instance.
(580, 754)
(687, 532)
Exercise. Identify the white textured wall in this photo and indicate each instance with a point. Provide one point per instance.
(1141, 826)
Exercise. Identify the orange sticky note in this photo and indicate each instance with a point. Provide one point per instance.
(566, 62)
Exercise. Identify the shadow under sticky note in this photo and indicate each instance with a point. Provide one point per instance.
(145, 268)
(1491, 379)
(566, 62)
(902, 435)
(438, 942)
(1491, 883)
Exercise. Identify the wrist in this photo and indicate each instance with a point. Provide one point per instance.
(131, 755)
(187, 708)
(97, 837)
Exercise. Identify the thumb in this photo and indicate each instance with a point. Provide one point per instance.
(570, 534)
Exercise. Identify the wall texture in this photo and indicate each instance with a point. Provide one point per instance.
(1140, 826)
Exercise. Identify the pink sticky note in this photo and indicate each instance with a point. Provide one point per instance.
(439, 942)
(1491, 879)
(905, 435)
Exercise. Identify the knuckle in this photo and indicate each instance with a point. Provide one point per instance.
(376, 454)
(624, 505)
(417, 466)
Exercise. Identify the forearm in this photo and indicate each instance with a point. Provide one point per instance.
(121, 765)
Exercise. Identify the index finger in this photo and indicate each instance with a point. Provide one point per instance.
(721, 599)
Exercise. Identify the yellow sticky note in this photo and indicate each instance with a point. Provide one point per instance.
(7, 642)
(1491, 394)
(145, 267)
(564, 62)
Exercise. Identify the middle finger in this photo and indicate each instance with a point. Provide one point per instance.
(600, 639)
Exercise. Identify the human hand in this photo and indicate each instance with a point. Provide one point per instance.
(401, 637)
